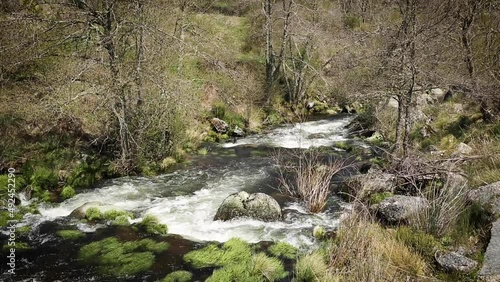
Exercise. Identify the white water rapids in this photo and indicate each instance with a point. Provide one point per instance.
(187, 200)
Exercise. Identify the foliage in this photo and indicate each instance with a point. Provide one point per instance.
(364, 251)
(70, 234)
(424, 244)
(376, 198)
(236, 262)
(233, 251)
(151, 225)
(68, 192)
(121, 258)
(121, 220)
(311, 267)
(113, 214)
(43, 178)
(270, 268)
(282, 249)
(93, 213)
(178, 276)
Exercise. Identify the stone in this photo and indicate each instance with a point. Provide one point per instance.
(437, 93)
(456, 181)
(400, 208)
(219, 125)
(462, 149)
(490, 272)
(374, 181)
(393, 102)
(257, 206)
(102, 207)
(238, 132)
(488, 197)
(375, 138)
(453, 261)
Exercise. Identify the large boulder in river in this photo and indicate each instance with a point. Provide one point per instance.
(258, 206)
(400, 208)
(488, 197)
(102, 207)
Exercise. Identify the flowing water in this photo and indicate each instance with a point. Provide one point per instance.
(187, 200)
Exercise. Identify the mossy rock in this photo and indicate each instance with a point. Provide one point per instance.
(233, 251)
(70, 234)
(178, 276)
(121, 258)
(151, 225)
(68, 192)
(237, 262)
(258, 206)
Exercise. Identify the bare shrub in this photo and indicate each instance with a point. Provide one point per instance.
(304, 175)
(364, 251)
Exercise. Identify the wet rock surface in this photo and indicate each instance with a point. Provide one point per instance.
(258, 206)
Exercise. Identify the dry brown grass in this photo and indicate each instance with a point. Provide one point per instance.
(303, 174)
(364, 251)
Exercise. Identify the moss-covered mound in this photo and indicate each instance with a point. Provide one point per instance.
(237, 262)
(122, 258)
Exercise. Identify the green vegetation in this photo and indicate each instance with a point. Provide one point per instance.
(70, 234)
(236, 261)
(121, 220)
(113, 214)
(311, 267)
(376, 198)
(67, 192)
(178, 276)
(151, 225)
(121, 258)
(282, 249)
(424, 244)
(93, 213)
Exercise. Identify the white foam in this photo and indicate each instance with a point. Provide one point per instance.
(300, 135)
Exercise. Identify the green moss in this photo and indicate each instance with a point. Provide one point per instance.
(93, 214)
(151, 225)
(233, 251)
(202, 151)
(343, 145)
(233, 272)
(178, 276)
(206, 257)
(311, 267)
(270, 268)
(376, 198)
(68, 192)
(121, 220)
(282, 249)
(113, 214)
(121, 259)
(19, 246)
(23, 230)
(421, 242)
(70, 234)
